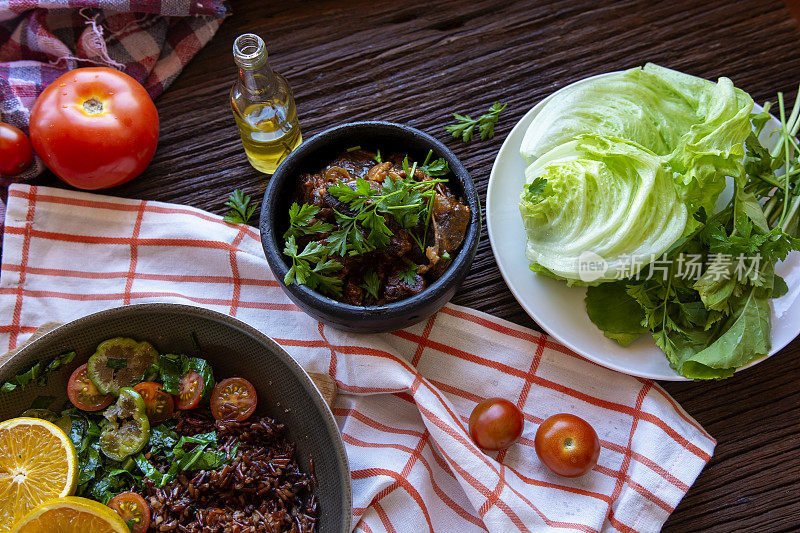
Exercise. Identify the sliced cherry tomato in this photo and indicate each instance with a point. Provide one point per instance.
(495, 424)
(84, 394)
(94, 127)
(233, 399)
(133, 509)
(158, 404)
(16, 153)
(567, 445)
(191, 388)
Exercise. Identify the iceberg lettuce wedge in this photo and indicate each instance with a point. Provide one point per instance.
(662, 144)
(603, 196)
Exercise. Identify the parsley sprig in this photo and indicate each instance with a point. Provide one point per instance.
(464, 125)
(241, 211)
(317, 276)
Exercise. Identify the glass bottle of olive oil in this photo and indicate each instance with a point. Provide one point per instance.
(263, 106)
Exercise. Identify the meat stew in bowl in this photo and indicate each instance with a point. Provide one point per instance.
(368, 229)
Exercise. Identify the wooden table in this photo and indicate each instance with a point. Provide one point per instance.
(417, 61)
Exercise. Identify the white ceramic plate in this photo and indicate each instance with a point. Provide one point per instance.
(560, 309)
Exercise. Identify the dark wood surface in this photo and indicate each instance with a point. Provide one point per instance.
(417, 61)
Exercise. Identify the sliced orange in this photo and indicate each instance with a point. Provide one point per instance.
(37, 463)
(71, 515)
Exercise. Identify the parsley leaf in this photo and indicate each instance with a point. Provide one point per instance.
(300, 218)
(409, 276)
(437, 167)
(464, 125)
(241, 211)
(534, 188)
(372, 283)
(318, 276)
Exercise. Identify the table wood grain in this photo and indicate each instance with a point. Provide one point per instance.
(417, 61)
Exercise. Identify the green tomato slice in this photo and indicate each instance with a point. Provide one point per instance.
(120, 362)
(127, 430)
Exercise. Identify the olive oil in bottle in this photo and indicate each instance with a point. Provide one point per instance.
(263, 106)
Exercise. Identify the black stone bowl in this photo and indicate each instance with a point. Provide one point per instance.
(315, 154)
(232, 348)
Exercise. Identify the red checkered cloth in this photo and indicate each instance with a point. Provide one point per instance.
(152, 40)
(405, 396)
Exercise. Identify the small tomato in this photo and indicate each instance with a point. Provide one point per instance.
(95, 127)
(567, 445)
(495, 424)
(16, 153)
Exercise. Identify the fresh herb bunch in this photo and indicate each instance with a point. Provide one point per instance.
(710, 326)
(464, 125)
(363, 228)
(241, 211)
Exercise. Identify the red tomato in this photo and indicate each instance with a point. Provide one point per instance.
(95, 127)
(16, 153)
(233, 399)
(495, 424)
(567, 445)
(84, 394)
(158, 404)
(133, 509)
(191, 391)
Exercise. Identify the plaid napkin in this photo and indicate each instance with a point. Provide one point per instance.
(405, 397)
(151, 40)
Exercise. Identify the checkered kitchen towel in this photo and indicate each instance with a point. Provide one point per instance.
(152, 40)
(405, 396)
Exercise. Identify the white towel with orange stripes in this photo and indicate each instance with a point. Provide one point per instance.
(405, 397)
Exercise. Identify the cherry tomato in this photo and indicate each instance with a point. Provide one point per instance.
(158, 404)
(16, 153)
(233, 399)
(191, 391)
(495, 424)
(84, 394)
(133, 509)
(94, 127)
(567, 445)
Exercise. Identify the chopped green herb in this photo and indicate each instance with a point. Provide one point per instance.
(117, 363)
(170, 370)
(38, 373)
(377, 157)
(354, 148)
